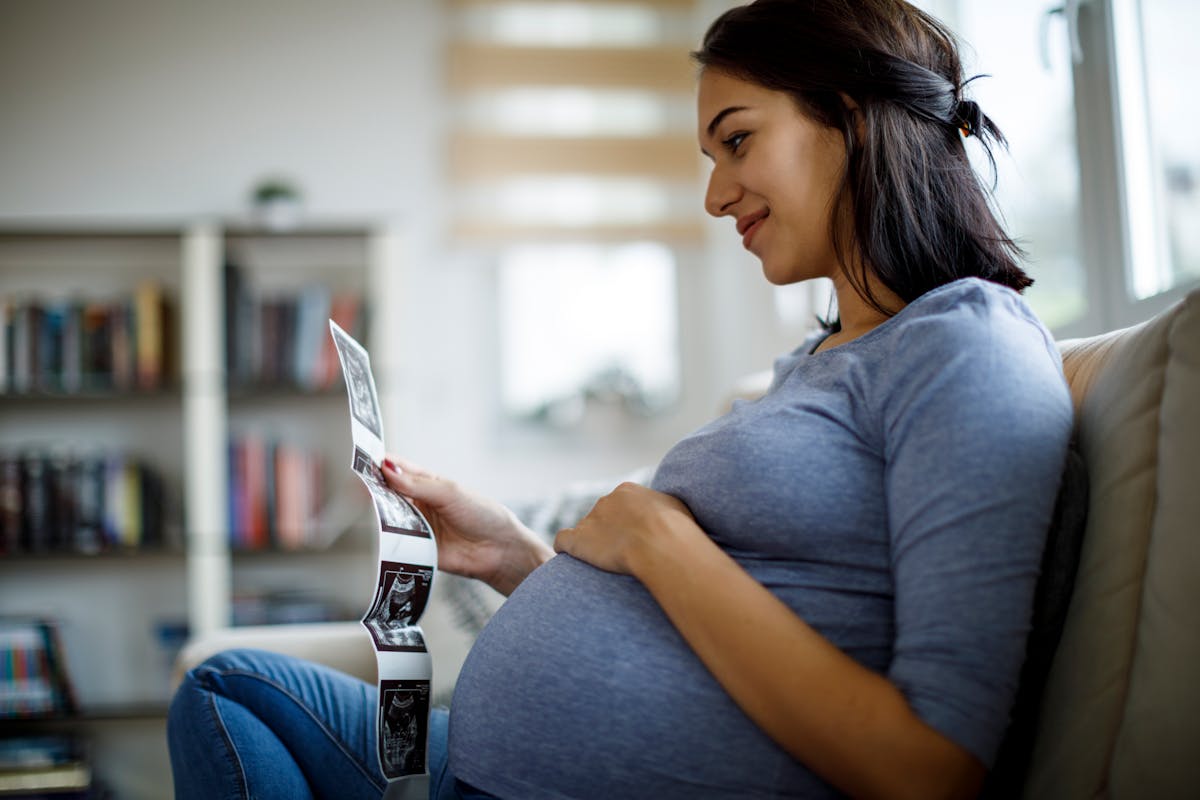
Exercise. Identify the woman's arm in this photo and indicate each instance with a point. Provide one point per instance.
(846, 723)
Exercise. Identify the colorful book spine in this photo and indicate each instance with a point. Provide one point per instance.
(276, 490)
(149, 339)
(33, 679)
(282, 339)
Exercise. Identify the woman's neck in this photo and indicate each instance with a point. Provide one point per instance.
(855, 315)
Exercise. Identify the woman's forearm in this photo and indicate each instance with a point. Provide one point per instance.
(848, 724)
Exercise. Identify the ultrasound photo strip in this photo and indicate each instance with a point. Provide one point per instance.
(407, 566)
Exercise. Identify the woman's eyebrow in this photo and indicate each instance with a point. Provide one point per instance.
(712, 126)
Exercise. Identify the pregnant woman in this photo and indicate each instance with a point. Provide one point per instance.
(824, 592)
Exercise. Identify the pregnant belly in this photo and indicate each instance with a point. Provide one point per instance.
(580, 687)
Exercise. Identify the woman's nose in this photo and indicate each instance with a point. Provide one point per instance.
(722, 193)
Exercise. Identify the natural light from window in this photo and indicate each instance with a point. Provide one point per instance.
(570, 201)
(1168, 38)
(1029, 94)
(587, 322)
(576, 111)
(565, 24)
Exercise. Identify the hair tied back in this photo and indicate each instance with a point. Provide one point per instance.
(969, 117)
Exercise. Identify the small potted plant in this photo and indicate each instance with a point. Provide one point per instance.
(277, 204)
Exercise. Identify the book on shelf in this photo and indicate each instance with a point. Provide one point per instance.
(151, 335)
(56, 503)
(346, 310)
(312, 314)
(276, 495)
(72, 345)
(281, 339)
(33, 677)
(285, 606)
(44, 767)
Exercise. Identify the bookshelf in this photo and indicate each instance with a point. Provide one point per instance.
(113, 603)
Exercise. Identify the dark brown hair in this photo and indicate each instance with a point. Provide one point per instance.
(920, 213)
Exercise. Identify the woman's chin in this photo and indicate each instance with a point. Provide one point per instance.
(785, 272)
(778, 275)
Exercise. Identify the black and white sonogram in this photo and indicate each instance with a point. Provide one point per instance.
(400, 599)
(403, 722)
(360, 385)
(396, 515)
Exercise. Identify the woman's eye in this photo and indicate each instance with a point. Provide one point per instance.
(734, 142)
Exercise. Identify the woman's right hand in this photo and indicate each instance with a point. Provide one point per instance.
(476, 537)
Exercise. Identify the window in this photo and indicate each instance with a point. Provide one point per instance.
(1027, 90)
(574, 169)
(1130, 244)
(603, 328)
(1162, 153)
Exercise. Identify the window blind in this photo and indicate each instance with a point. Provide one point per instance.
(572, 120)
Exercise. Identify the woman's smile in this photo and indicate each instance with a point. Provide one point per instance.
(748, 225)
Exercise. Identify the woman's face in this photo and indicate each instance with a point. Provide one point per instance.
(775, 171)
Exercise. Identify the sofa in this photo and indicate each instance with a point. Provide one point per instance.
(1118, 706)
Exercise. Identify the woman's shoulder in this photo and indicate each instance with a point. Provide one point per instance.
(971, 293)
(977, 333)
(969, 313)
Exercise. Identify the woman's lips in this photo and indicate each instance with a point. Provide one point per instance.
(749, 232)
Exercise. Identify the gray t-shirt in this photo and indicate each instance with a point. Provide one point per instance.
(894, 492)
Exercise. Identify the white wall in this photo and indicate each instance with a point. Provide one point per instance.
(145, 108)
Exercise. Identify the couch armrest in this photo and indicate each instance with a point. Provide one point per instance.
(345, 646)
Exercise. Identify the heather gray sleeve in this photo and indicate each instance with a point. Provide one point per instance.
(977, 419)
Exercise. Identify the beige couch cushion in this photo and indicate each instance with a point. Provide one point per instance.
(1121, 713)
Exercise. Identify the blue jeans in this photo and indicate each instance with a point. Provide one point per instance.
(252, 724)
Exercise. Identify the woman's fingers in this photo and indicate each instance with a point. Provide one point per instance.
(563, 540)
(417, 483)
(407, 467)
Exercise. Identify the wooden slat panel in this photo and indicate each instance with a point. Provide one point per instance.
(668, 157)
(478, 66)
(682, 232)
(683, 5)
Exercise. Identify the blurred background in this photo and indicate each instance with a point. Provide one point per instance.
(503, 201)
(539, 160)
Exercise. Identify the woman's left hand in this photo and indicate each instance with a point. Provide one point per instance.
(616, 532)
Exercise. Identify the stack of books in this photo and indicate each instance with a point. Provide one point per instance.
(55, 503)
(286, 607)
(44, 767)
(275, 495)
(33, 676)
(283, 339)
(71, 345)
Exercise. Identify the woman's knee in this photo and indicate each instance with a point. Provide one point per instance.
(240, 659)
(202, 681)
(208, 674)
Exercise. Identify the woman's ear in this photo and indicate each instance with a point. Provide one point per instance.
(860, 122)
